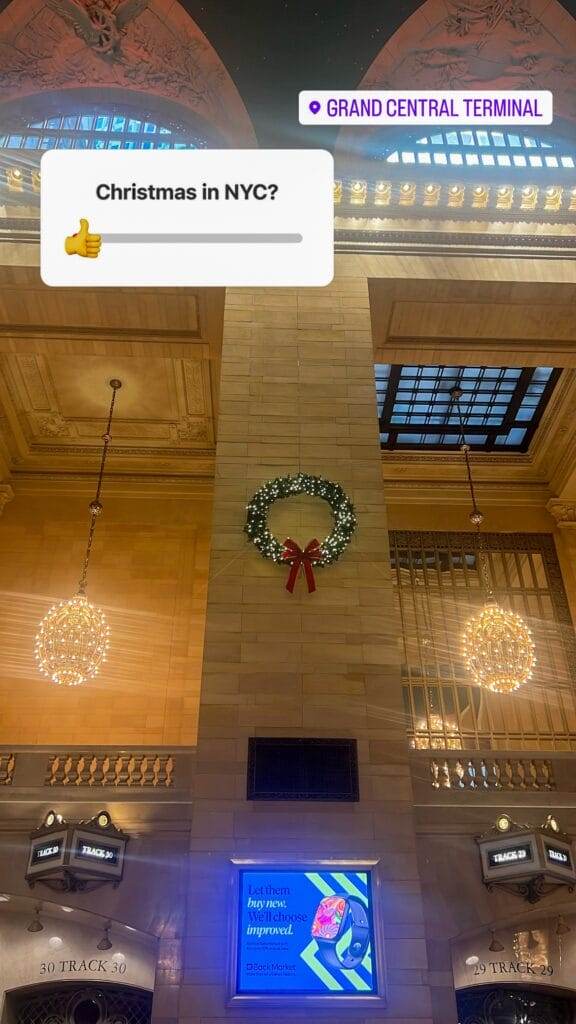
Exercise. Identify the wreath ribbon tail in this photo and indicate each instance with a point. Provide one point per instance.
(301, 558)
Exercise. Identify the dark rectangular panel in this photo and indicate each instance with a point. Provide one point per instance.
(302, 769)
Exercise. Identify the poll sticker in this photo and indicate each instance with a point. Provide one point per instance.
(187, 217)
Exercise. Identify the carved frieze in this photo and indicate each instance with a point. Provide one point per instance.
(478, 44)
(564, 512)
(148, 45)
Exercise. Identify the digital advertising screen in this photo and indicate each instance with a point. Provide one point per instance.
(305, 932)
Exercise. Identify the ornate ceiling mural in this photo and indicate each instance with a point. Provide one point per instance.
(150, 46)
(481, 44)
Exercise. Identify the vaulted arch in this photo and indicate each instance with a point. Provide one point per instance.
(115, 51)
(478, 44)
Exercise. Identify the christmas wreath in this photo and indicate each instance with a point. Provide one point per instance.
(315, 553)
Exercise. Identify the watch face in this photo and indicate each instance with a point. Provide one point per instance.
(328, 917)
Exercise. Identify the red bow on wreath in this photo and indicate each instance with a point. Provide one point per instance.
(293, 552)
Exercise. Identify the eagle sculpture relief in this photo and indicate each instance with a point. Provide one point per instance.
(100, 23)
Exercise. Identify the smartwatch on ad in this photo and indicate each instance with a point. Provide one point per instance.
(334, 916)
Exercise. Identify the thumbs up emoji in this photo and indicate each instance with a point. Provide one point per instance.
(83, 243)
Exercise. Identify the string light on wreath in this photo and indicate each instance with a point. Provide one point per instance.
(315, 554)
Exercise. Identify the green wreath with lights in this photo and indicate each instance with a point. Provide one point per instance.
(316, 554)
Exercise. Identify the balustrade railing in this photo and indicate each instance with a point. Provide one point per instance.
(477, 772)
(116, 770)
(137, 770)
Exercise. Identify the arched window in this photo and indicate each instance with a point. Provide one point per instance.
(480, 148)
(106, 128)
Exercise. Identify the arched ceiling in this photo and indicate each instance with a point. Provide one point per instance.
(273, 48)
(478, 44)
(151, 46)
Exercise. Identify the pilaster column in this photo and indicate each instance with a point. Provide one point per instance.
(6, 495)
(298, 393)
(563, 511)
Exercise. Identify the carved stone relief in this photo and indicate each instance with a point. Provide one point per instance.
(148, 45)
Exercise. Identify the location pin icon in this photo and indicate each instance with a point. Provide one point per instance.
(314, 106)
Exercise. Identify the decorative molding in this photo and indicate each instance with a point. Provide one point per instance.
(562, 511)
(103, 24)
(7, 766)
(189, 428)
(448, 243)
(6, 495)
(501, 459)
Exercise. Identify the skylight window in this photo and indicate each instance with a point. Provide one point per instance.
(500, 406)
(104, 130)
(456, 147)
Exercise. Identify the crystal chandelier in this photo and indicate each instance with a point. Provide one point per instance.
(73, 638)
(498, 648)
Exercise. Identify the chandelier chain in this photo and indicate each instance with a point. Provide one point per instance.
(95, 505)
(476, 516)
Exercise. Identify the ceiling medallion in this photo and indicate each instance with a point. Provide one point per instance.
(73, 638)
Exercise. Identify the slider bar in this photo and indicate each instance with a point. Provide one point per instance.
(265, 239)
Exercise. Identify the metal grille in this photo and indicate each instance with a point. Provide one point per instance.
(499, 1005)
(438, 589)
(107, 1004)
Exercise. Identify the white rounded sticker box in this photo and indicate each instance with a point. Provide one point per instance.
(187, 217)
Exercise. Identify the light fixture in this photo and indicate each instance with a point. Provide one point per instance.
(73, 637)
(456, 195)
(105, 942)
(53, 818)
(337, 192)
(358, 191)
(503, 823)
(551, 822)
(495, 945)
(504, 197)
(36, 181)
(572, 204)
(407, 194)
(15, 179)
(431, 195)
(382, 193)
(553, 198)
(561, 927)
(480, 197)
(103, 819)
(497, 644)
(529, 197)
(36, 924)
